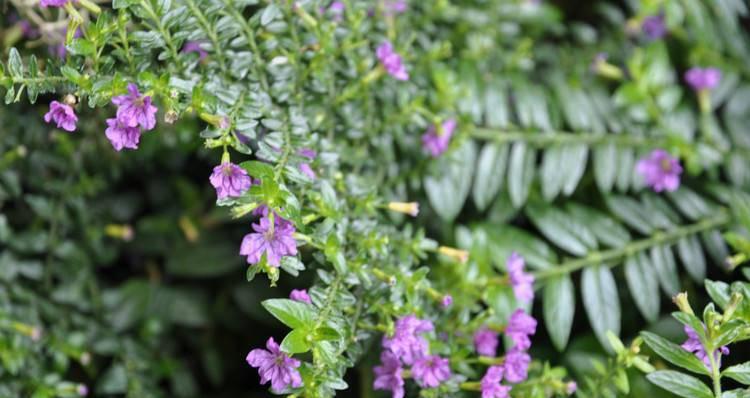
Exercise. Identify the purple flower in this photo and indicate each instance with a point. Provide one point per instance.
(436, 142)
(703, 78)
(63, 115)
(230, 180)
(430, 371)
(485, 342)
(82, 390)
(275, 241)
(522, 283)
(391, 61)
(53, 3)
(516, 365)
(406, 342)
(194, 47)
(490, 384)
(571, 387)
(122, 136)
(300, 295)
(336, 9)
(305, 167)
(653, 27)
(388, 374)
(27, 29)
(693, 344)
(275, 366)
(660, 171)
(520, 327)
(446, 301)
(134, 109)
(394, 6)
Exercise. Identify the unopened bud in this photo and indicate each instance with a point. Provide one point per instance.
(681, 301)
(69, 99)
(118, 231)
(734, 261)
(189, 229)
(170, 117)
(459, 255)
(734, 301)
(601, 67)
(410, 208)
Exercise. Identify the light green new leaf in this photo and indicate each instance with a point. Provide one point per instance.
(448, 187)
(559, 309)
(641, 279)
(601, 302)
(674, 353)
(680, 384)
(296, 341)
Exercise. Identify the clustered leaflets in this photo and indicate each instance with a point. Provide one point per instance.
(660, 171)
(275, 366)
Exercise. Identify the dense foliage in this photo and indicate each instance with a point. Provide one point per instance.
(431, 183)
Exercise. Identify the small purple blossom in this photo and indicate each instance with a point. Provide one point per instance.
(516, 365)
(436, 142)
(520, 327)
(571, 387)
(305, 168)
(194, 47)
(660, 171)
(63, 115)
(336, 9)
(700, 79)
(430, 371)
(54, 3)
(276, 241)
(391, 61)
(522, 283)
(394, 6)
(230, 180)
(121, 136)
(693, 344)
(135, 109)
(300, 295)
(490, 384)
(388, 374)
(446, 301)
(407, 342)
(82, 390)
(275, 366)
(485, 342)
(599, 60)
(653, 27)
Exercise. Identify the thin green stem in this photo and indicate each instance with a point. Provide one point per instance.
(210, 31)
(156, 19)
(657, 239)
(715, 375)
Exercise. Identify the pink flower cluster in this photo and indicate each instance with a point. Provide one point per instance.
(408, 346)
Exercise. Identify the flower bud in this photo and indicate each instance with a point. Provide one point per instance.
(69, 99)
(456, 254)
(118, 231)
(410, 208)
(170, 117)
(734, 301)
(681, 301)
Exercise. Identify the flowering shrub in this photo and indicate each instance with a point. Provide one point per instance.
(332, 147)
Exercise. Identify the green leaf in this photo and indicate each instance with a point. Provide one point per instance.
(520, 173)
(715, 246)
(291, 313)
(296, 341)
(719, 292)
(674, 353)
(680, 384)
(567, 232)
(630, 212)
(490, 173)
(601, 302)
(448, 187)
(559, 309)
(606, 229)
(269, 14)
(736, 393)
(626, 166)
(666, 269)
(690, 204)
(552, 172)
(643, 286)
(739, 372)
(605, 166)
(15, 64)
(114, 381)
(575, 158)
(691, 254)
(326, 333)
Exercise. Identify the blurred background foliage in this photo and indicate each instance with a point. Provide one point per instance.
(118, 271)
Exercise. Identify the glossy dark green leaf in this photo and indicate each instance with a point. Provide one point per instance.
(601, 302)
(490, 173)
(663, 261)
(559, 309)
(448, 187)
(691, 255)
(674, 353)
(567, 232)
(739, 372)
(520, 173)
(680, 384)
(643, 285)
